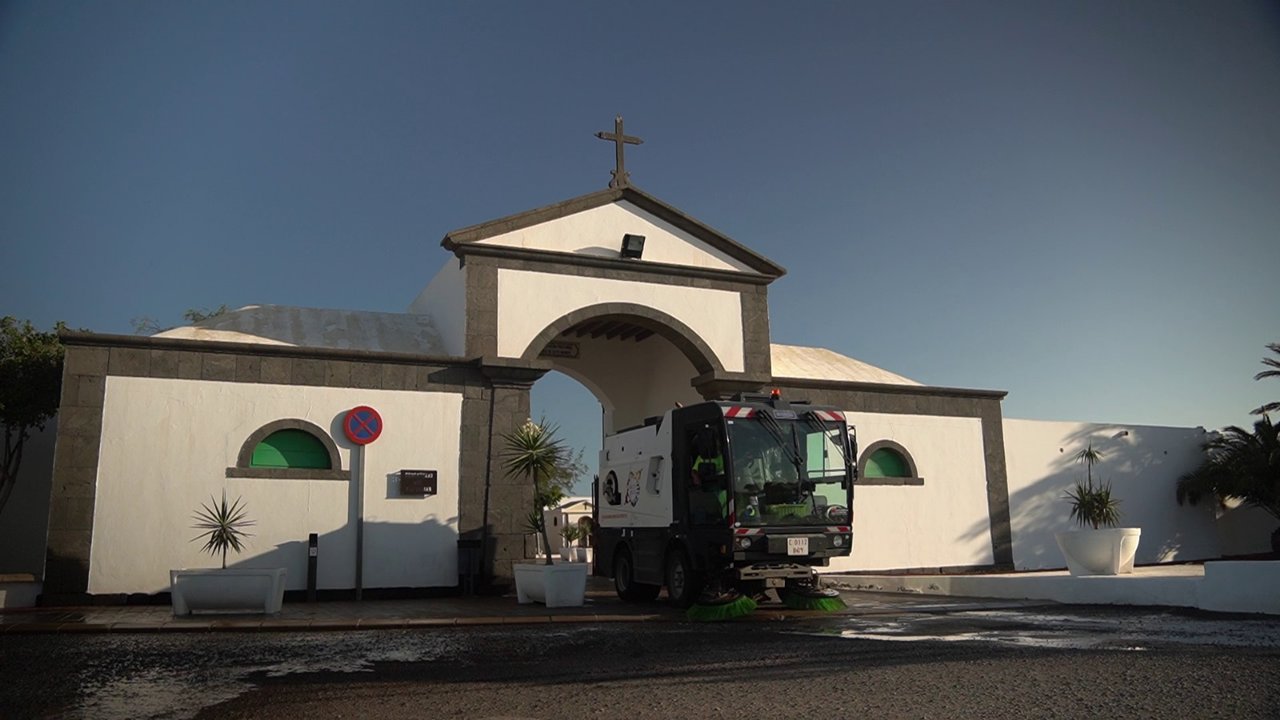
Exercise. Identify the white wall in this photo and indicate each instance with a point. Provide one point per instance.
(943, 523)
(24, 522)
(445, 300)
(530, 301)
(166, 445)
(598, 232)
(1142, 463)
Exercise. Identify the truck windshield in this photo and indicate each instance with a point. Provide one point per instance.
(788, 472)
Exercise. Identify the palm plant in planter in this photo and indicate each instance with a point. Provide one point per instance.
(223, 525)
(571, 534)
(532, 451)
(1098, 548)
(1093, 505)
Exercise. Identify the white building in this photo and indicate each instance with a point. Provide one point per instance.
(253, 403)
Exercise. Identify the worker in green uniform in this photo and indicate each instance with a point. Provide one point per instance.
(708, 497)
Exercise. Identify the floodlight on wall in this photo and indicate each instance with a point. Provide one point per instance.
(632, 246)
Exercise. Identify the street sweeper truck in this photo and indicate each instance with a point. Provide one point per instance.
(726, 497)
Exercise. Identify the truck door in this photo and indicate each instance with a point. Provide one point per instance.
(700, 469)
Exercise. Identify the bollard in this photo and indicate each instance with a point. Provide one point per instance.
(313, 557)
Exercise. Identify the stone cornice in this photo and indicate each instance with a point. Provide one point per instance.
(642, 266)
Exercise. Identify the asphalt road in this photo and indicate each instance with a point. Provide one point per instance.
(949, 660)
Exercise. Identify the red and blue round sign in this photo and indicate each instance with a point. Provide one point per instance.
(362, 425)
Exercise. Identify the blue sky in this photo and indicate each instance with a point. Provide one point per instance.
(1074, 202)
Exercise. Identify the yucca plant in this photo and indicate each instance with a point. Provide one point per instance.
(223, 527)
(533, 451)
(1093, 505)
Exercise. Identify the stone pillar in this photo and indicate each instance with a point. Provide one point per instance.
(75, 470)
(505, 501)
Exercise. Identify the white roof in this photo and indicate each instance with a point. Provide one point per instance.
(570, 502)
(811, 363)
(315, 327)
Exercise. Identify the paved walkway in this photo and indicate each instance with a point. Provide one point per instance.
(864, 594)
(602, 605)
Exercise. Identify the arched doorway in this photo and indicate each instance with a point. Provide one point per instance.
(638, 362)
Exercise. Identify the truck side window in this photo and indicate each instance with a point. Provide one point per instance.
(708, 485)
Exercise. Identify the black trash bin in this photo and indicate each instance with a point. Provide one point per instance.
(469, 552)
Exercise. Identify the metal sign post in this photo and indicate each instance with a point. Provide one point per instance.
(362, 425)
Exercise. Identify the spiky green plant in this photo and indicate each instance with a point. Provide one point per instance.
(1089, 457)
(572, 533)
(532, 450)
(223, 527)
(1093, 505)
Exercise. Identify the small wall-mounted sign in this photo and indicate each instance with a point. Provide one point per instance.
(560, 349)
(417, 483)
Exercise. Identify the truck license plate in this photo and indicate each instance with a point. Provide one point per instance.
(797, 546)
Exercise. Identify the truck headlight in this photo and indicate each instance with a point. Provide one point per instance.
(744, 543)
(837, 541)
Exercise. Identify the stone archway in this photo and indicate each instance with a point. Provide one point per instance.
(627, 317)
(636, 360)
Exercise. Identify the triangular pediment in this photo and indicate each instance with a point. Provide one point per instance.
(592, 226)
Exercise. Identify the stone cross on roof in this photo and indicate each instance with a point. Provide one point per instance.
(620, 176)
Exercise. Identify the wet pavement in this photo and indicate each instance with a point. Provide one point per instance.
(942, 657)
(602, 605)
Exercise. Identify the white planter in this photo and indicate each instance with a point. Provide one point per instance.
(566, 553)
(249, 589)
(583, 554)
(560, 585)
(1107, 551)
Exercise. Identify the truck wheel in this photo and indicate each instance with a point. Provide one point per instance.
(624, 580)
(683, 583)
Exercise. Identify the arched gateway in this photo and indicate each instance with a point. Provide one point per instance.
(644, 305)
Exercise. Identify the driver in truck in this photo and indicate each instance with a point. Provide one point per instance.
(708, 496)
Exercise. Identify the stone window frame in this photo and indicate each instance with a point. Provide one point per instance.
(244, 462)
(913, 479)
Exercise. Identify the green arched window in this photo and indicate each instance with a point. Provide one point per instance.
(291, 449)
(886, 462)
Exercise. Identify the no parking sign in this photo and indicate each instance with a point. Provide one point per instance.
(362, 425)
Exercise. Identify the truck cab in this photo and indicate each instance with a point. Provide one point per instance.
(743, 494)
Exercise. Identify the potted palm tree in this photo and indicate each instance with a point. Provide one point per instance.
(532, 451)
(585, 552)
(222, 527)
(1098, 547)
(570, 535)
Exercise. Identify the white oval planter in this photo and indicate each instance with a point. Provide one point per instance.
(559, 585)
(583, 554)
(1107, 551)
(249, 589)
